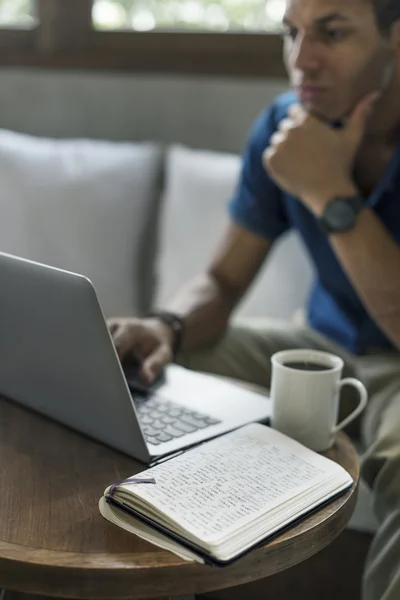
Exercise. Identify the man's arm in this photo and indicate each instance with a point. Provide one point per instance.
(368, 252)
(207, 302)
(371, 258)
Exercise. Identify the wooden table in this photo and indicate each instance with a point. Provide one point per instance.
(54, 542)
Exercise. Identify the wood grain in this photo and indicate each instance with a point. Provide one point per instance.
(64, 41)
(54, 542)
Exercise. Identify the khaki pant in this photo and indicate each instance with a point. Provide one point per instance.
(244, 352)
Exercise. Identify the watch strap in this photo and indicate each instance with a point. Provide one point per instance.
(175, 323)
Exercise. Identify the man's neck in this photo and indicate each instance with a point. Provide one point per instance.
(384, 126)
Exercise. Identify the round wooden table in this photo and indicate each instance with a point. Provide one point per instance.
(54, 542)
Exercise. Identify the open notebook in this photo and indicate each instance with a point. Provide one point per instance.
(217, 501)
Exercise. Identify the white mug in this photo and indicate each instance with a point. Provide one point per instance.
(305, 396)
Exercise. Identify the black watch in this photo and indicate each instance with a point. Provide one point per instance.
(175, 323)
(340, 214)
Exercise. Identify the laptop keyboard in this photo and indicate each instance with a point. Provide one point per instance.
(163, 421)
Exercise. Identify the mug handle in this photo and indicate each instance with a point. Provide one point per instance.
(361, 405)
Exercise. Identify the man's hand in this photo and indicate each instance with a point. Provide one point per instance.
(311, 160)
(147, 340)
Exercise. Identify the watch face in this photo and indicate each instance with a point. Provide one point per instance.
(340, 215)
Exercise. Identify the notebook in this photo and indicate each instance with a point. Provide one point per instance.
(216, 502)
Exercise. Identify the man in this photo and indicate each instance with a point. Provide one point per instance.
(325, 160)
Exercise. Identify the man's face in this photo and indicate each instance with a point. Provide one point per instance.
(335, 54)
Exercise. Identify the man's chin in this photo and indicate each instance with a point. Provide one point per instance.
(315, 111)
(328, 117)
(320, 110)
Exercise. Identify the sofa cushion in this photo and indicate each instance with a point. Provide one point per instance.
(199, 184)
(85, 206)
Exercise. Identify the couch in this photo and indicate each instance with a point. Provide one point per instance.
(138, 219)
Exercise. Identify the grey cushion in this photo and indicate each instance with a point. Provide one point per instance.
(86, 206)
(284, 283)
(198, 184)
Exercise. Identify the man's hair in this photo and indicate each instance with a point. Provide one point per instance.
(387, 12)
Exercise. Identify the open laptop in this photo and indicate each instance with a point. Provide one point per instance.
(57, 357)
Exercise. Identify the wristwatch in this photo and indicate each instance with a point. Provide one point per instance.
(175, 323)
(340, 214)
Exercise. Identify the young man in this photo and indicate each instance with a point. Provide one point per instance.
(325, 160)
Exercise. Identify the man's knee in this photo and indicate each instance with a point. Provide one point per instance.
(207, 358)
(381, 463)
(235, 354)
(243, 352)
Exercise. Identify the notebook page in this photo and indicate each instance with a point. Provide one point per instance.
(221, 485)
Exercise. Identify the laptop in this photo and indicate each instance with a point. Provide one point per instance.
(57, 357)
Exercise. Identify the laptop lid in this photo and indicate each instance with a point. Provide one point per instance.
(57, 355)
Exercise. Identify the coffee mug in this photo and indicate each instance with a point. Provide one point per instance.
(305, 391)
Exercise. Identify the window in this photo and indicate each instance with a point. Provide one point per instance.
(17, 13)
(194, 15)
(195, 37)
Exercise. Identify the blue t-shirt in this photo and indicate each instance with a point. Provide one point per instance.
(259, 205)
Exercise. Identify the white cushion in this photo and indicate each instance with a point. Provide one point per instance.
(199, 184)
(85, 206)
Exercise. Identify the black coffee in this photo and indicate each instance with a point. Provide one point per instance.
(307, 366)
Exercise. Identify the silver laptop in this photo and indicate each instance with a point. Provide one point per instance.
(57, 357)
